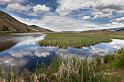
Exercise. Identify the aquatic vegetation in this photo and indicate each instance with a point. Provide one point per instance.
(77, 40)
(71, 70)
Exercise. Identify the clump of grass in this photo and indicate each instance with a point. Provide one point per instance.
(108, 59)
(115, 66)
(116, 60)
(119, 59)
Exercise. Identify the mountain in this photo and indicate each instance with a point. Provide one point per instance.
(10, 24)
(40, 29)
(120, 29)
(103, 31)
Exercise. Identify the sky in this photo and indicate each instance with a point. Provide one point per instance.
(67, 15)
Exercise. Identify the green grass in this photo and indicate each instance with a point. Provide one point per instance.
(115, 66)
(119, 59)
(77, 40)
(116, 60)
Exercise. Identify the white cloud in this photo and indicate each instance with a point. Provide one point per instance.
(60, 23)
(67, 6)
(27, 9)
(119, 19)
(3, 2)
(6, 1)
(39, 9)
(113, 24)
(104, 6)
(18, 7)
(100, 14)
(104, 3)
(100, 8)
(86, 17)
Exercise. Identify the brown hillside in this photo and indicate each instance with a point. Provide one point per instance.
(10, 24)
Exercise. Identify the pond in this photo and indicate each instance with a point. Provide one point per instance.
(26, 52)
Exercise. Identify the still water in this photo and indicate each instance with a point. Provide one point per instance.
(25, 51)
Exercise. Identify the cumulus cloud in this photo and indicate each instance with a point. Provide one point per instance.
(105, 7)
(101, 14)
(86, 17)
(39, 9)
(61, 23)
(67, 6)
(3, 2)
(18, 7)
(111, 4)
(113, 24)
(119, 19)
(6, 1)
(68, 12)
(21, 6)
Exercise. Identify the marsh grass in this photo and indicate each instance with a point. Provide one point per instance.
(116, 60)
(77, 40)
(115, 66)
(71, 70)
(119, 59)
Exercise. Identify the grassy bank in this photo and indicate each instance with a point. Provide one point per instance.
(77, 40)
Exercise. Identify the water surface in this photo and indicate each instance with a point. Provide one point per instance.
(26, 51)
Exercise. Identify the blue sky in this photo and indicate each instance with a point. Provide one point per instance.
(67, 15)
